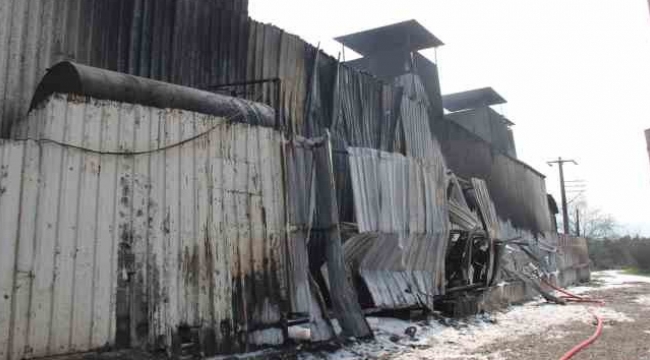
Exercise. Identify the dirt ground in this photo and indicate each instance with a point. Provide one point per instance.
(534, 331)
(620, 339)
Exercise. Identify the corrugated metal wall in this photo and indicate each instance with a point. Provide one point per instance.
(488, 125)
(189, 42)
(300, 179)
(403, 200)
(201, 43)
(414, 117)
(518, 191)
(362, 119)
(51, 244)
(38, 258)
(273, 53)
(126, 248)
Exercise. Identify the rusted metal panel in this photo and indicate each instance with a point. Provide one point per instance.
(403, 202)
(147, 221)
(189, 42)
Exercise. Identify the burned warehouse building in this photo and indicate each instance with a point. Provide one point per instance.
(178, 177)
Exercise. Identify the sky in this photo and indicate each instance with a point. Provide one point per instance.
(576, 74)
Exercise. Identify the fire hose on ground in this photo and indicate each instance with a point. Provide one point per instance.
(569, 297)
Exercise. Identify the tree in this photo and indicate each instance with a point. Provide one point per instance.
(593, 222)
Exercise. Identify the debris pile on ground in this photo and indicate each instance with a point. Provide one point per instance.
(464, 339)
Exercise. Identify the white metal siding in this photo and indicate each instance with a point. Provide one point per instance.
(198, 227)
(50, 262)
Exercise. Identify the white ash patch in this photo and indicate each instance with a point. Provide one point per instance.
(643, 300)
(609, 279)
(612, 279)
(462, 339)
(452, 339)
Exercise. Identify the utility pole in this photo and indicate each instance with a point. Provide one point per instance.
(565, 210)
(647, 137)
(578, 222)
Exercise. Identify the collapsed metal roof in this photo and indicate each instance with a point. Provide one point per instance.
(472, 99)
(409, 35)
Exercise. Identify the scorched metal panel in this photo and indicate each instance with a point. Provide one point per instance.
(146, 221)
(189, 42)
(402, 203)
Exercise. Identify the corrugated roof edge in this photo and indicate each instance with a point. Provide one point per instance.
(71, 78)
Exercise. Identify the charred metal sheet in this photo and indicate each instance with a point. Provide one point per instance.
(394, 64)
(311, 221)
(71, 78)
(415, 121)
(427, 70)
(320, 326)
(368, 112)
(459, 212)
(490, 222)
(384, 273)
(517, 190)
(168, 222)
(545, 247)
(344, 297)
(188, 42)
(367, 115)
(486, 206)
(361, 119)
(275, 53)
(397, 194)
(460, 215)
(300, 172)
(399, 276)
(404, 200)
(489, 125)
